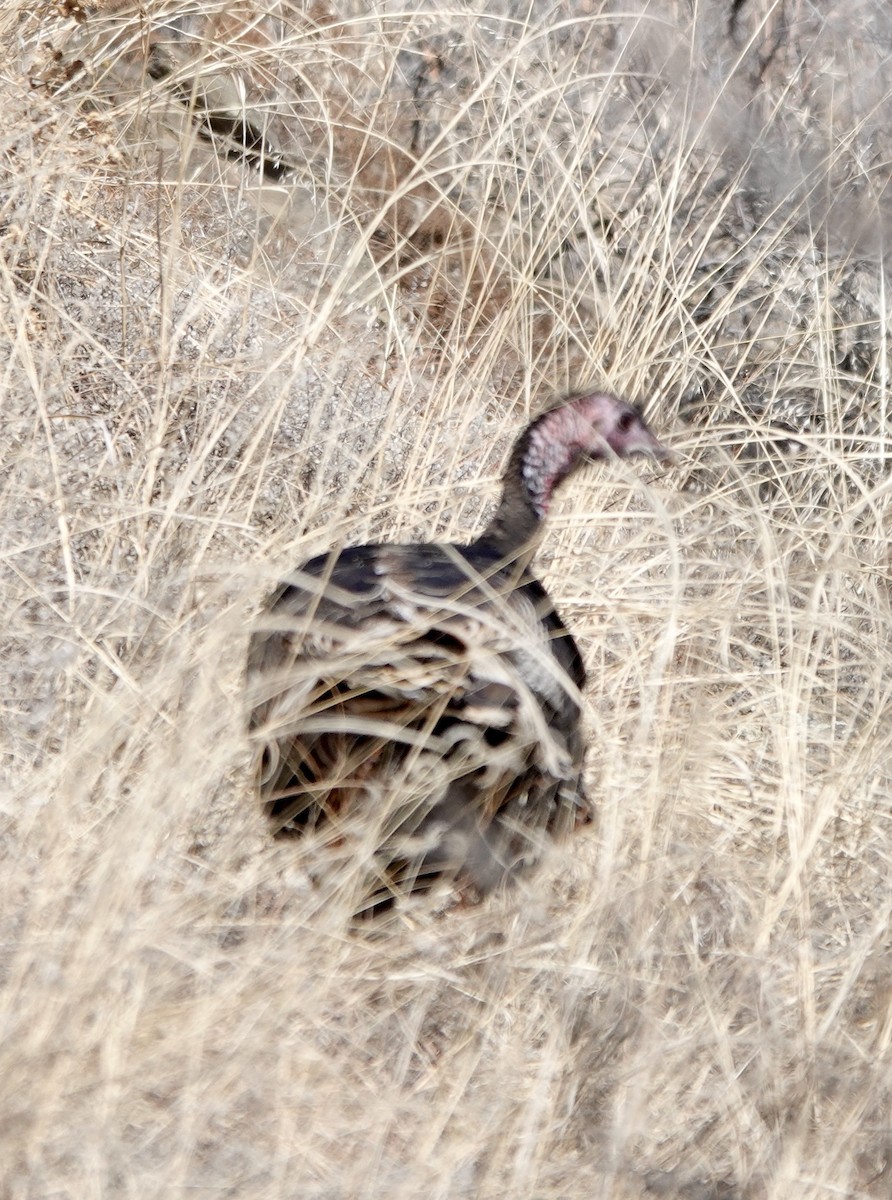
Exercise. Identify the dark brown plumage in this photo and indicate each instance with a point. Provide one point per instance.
(431, 691)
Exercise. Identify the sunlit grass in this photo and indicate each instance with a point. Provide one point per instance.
(208, 378)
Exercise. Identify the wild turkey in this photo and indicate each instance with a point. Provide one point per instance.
(430, 694)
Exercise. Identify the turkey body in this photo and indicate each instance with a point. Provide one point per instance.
(421, 704)
(447, 673)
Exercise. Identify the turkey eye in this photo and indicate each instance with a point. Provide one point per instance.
(625, 422)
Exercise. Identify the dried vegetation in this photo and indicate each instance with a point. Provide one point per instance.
(212, 369)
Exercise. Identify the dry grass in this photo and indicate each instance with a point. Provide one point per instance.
(207, 378)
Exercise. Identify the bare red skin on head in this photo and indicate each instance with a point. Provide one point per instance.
(590, 426)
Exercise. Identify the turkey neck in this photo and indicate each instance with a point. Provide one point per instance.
(538, 463)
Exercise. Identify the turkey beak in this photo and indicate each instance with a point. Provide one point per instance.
(649, 446)
(663, 455)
